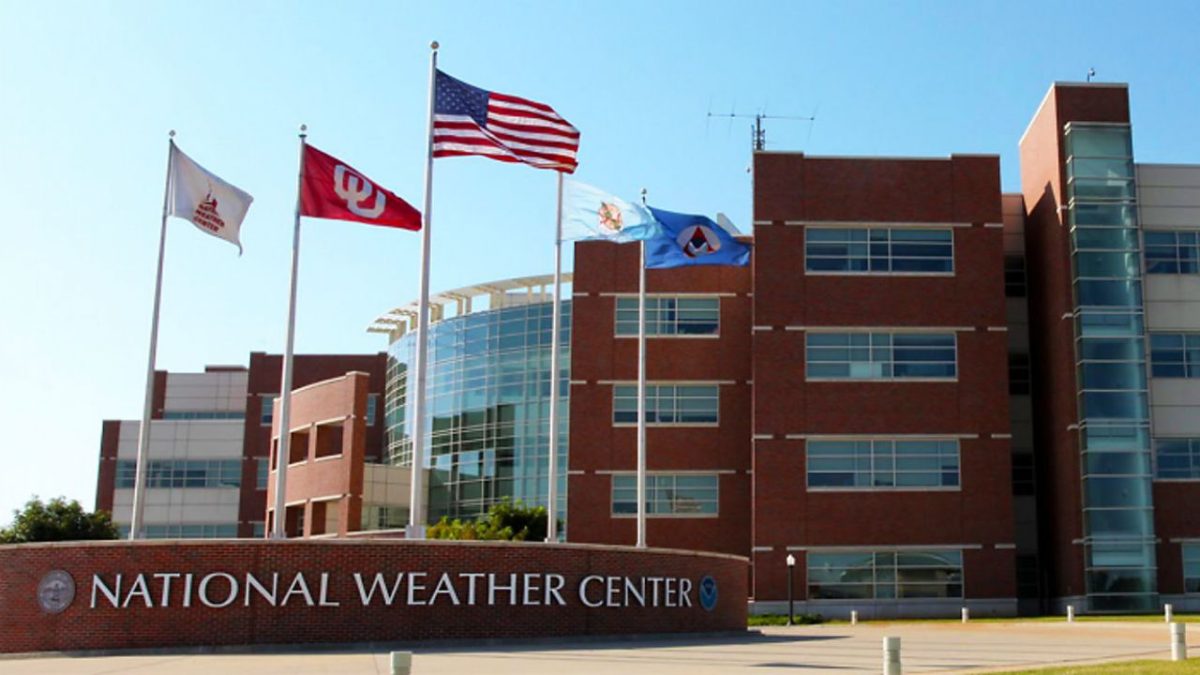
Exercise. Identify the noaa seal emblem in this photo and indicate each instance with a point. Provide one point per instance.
(698, 241)
(56, 591)
(708, 593)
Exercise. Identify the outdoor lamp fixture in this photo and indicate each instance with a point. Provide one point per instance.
(791, 565)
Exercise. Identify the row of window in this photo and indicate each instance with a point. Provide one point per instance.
(878, 250)
(881, 356)
(190, 473)
(190, 531)
(203, 415)
(667, 494)
(885, 575)
(883, 464)
(268, 409)
(668, 404)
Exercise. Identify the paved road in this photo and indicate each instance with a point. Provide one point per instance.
(836, 648)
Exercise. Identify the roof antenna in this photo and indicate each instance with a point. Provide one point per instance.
(758, 135)
(1091, 74)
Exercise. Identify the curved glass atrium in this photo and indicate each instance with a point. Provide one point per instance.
(488, 395)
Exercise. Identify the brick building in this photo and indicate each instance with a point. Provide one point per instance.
(924, 392)
(209, 443)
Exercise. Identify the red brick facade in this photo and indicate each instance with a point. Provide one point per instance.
(767, 408)
(310, 616)
(325, 477)
(962, 192)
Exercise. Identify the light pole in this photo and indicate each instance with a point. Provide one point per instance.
(791, 566)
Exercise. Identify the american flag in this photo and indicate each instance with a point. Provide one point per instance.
(471, 121)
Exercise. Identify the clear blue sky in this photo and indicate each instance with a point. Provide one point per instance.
(90, 89)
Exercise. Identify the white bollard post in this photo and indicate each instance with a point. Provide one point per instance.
(1169, 612)
(401, 663)
(1179, 642)
(1070, 613)
(891, 656)
(854, 617)
(966, 614)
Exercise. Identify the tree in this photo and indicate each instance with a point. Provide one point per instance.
(504, 521)
(57, 520)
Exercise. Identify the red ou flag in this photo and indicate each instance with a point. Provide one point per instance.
(332, 189)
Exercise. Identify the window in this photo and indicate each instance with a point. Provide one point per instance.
(670, 316)
(203, 415)
(192, 531)
(1018, 374)
(262, 472)
(881, 356)
(1175, 354)
(667, 494)
(1177, 458)
(1023, 474)
(267, 401)
(259, 529)
(1172, 252)
(1191, 567)
(885, 575)
(372, 406)
(883, 464)
(1014, 276)
(678, 404)
(216, 473)
(882, 250)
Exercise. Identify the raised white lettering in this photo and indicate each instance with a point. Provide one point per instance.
(166, 586)
(413, 587)
(655, 582)
(685, 590)
(531, 586)
(638, 594)
(511, 588)
(472, 577)
(323, 600)
(203, 590)
(444, 585)
(299, 587)
(670, 592)
(554, 584)
(113, 594)
(583, 585)
(378, 583)
(138, 588)
(272, 596)
(187, 590)
(613, 588)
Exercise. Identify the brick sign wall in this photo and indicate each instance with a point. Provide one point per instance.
(118, 595)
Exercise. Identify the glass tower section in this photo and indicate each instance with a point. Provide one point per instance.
(488, 396)
(1114, 424)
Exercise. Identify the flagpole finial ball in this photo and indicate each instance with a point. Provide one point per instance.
(303, 128)
(171, 133)
(434, 45)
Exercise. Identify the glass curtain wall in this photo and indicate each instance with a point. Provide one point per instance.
(1114, 425)
(488, 396)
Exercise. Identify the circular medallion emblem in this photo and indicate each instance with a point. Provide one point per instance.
(56, 591)
(708, 593)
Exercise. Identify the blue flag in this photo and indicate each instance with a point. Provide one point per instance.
(684, 239)
(589, 213)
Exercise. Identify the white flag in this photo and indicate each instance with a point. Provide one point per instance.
(591, 213)
(212, 205)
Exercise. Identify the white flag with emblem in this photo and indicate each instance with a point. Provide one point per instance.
(212, 205)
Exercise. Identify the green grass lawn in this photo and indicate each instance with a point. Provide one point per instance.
(1124, 668)
(805, 619)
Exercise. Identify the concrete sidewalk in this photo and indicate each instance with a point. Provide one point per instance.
(927, 647)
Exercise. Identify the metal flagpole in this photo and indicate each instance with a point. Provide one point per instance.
(279, 523)
(416, 512)
(143, 446)
(555, 356)
(641, 427)
(641, 394)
